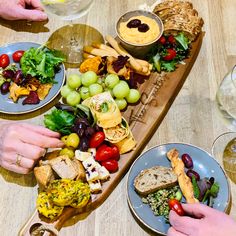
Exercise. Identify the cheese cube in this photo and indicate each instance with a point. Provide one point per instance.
(89, 163)
(103, 173)
(82, 156)
(92, 151)
(95, 186)
(91, 174)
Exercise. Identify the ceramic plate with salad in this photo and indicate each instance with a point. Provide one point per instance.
(210, 184)
(31, 76)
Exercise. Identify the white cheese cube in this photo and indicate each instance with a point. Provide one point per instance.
(103, 173)
(95, 186)
(92, 174)
(89, 163)
(82, 156)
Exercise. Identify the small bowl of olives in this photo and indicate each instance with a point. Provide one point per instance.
(138, 31)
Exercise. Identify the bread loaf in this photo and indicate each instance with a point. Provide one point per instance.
(153, 179)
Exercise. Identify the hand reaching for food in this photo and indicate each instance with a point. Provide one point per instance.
(22, 144)
(22, 10)
(205, 221)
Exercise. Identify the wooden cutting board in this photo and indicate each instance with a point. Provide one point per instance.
(158, 93)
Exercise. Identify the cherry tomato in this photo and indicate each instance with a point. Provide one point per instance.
(96, 139)
(116, 153)
(17, 55)
(171, 39)
(162, 40)
(4, 60)
(111, 165)
(104, 153)
(171, 54)
(176, 206)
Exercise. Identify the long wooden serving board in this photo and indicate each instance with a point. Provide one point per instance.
(158, 93)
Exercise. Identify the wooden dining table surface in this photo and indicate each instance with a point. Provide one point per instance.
(192, 117)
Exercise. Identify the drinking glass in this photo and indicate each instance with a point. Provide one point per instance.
(70, 38)
(224, 146)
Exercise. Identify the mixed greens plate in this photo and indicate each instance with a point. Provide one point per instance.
(7, 106)
(204, 164)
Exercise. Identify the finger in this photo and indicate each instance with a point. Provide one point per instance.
(197, 210)
(29, 151)
(32, 15)
(38, 139)
(183, 224)
(23, 161)
(14, 168)
(173, 232)
(40, 129)
(35, 4)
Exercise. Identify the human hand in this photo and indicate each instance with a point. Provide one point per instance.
(22, 10)
(206, 221)
(21, 145)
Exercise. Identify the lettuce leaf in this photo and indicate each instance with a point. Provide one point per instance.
(182, 40)
(59, 121)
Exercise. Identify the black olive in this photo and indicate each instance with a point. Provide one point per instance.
(134, 23)
(143, 28)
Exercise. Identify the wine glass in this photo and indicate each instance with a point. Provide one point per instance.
(71, 38)
(224, 146)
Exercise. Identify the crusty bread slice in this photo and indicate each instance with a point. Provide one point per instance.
(153, 179)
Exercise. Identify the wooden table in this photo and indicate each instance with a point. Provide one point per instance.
(192, 118)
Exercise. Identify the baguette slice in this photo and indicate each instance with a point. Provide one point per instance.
(153, 179)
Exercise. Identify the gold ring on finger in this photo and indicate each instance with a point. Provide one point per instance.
(18, 159)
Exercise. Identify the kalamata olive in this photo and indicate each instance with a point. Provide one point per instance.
(134, 23)
(5, 87)
(187, 160)
(82, 120)
(84, 144)
(81, 132)
(18, 77)
(191, 173)
(8, 74)
(143, 28)
(89, 131)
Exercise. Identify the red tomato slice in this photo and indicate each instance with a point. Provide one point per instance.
(4, 60)
(16, 56)
(116, 153)
(111, 165)
(96, 139)
(176, 206)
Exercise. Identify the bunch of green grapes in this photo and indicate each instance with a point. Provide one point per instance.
(89, 84)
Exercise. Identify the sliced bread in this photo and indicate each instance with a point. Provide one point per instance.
(153, 179)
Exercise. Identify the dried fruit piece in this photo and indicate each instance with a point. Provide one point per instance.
(119, 63)
(143, 28)
(134, 23)
(32, 98)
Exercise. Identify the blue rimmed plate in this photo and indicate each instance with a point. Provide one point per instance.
(7, 106)
(204, 164)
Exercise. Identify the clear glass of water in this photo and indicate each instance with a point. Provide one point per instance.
(224, 146)
(70, 38)
(226, 99)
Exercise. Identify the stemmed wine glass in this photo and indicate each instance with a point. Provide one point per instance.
(71, 38)
(224, 146)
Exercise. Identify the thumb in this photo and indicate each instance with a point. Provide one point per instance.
(32, 15)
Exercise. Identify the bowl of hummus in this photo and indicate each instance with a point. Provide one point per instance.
(138, 31)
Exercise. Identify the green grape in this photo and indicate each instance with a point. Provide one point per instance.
(84, 93)
(89, 78)
(72, 140)
(121, 103)
(95, 89)
(121, 90)
(65, 90)
(73, 98)
(111, 80)
(74, 81)
(133, 96)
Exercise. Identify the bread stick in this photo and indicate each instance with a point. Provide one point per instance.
(107, 48)
(123, 52)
